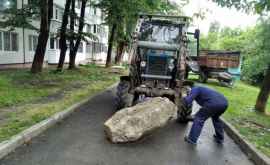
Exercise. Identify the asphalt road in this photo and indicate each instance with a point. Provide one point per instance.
(80, 140)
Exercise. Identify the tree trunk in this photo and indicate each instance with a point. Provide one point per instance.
(46, 11)
(72, 30)
(120, 51)
(73, 53)
(111, 39)
(264, 93)
(63, 39)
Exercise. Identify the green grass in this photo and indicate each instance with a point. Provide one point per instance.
(254, 126)
(27, 99)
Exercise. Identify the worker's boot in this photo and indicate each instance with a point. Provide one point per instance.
(190, 118)
(188, 140)
(218, 140)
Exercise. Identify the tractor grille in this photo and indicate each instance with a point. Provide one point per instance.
(157, 65)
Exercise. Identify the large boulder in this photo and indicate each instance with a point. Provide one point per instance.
(131, 124)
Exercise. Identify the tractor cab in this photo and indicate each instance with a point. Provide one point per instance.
(159, 43)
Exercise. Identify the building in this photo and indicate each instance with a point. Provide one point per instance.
(18, 47)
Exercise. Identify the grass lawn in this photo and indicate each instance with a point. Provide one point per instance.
(26, 99)
(255, 127)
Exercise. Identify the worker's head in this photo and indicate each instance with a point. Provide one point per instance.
(188, 83)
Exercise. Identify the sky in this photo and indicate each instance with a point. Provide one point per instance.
(225, 16)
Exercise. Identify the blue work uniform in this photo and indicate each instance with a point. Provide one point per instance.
(213, 104)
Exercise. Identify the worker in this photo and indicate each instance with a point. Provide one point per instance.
(213, 105)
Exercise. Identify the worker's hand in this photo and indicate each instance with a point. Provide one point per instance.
(185, 106)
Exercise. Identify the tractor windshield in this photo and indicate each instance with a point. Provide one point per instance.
(160, 32)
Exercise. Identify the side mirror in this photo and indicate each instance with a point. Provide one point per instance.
(197, 34)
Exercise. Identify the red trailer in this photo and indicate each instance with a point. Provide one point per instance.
(215, 64)
(219, 59)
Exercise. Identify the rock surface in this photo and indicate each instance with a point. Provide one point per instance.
(131, 124)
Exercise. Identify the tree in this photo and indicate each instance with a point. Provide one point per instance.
(114, 11)
(265, 54)
(264, 93)
(14, 17)
(63, 38)
(79, 36)
(23, 17)
(214, 27)
(120, 14)
(260, 7)
(46, 13)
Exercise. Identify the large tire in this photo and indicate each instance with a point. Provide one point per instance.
(203, 77)
(183, 115)
(123, 97)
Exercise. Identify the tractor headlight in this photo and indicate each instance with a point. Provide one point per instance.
(143, 64)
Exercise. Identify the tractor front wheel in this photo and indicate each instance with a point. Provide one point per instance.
(184, 116)
(123, 97)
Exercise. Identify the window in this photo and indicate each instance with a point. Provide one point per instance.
(14, 42)
(51, 43)
(1, 41)
(78, 4)
(88, 30)
(7, 4)
(57, 43)
(33, 41)
(54, 43)
(77, 21)
(95, 28)
(89, 47)
(56, 13)
(94, 48)
(61, 13)
(6, 41)
(95, 11)
(80, 49)
(98, 29)
(10, 41)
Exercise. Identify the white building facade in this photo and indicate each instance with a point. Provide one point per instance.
(18, 46)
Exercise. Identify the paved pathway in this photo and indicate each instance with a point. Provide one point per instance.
(80, 140)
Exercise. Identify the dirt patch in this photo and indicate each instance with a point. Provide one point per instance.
(44, 83)
(50, 98)
(6, 112)
(59, 94)
(252, 124)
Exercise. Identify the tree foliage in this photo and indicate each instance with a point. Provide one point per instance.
(121, 16)
(261, 7)
(258, 6)
(21, 17)
(46, 14)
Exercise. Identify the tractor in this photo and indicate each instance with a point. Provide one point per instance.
(158, 62)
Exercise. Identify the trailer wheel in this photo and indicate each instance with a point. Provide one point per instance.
(226, 83)
(123, 97)
(203, 77)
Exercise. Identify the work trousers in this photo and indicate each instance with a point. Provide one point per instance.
(202, 115)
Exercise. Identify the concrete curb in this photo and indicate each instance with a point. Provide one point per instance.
(249, 149)
(8, 146)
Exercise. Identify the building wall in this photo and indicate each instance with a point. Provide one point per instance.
(27, 39)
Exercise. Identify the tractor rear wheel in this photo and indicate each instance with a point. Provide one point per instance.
(123, 97)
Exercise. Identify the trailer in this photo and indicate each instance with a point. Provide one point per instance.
(215, 64)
